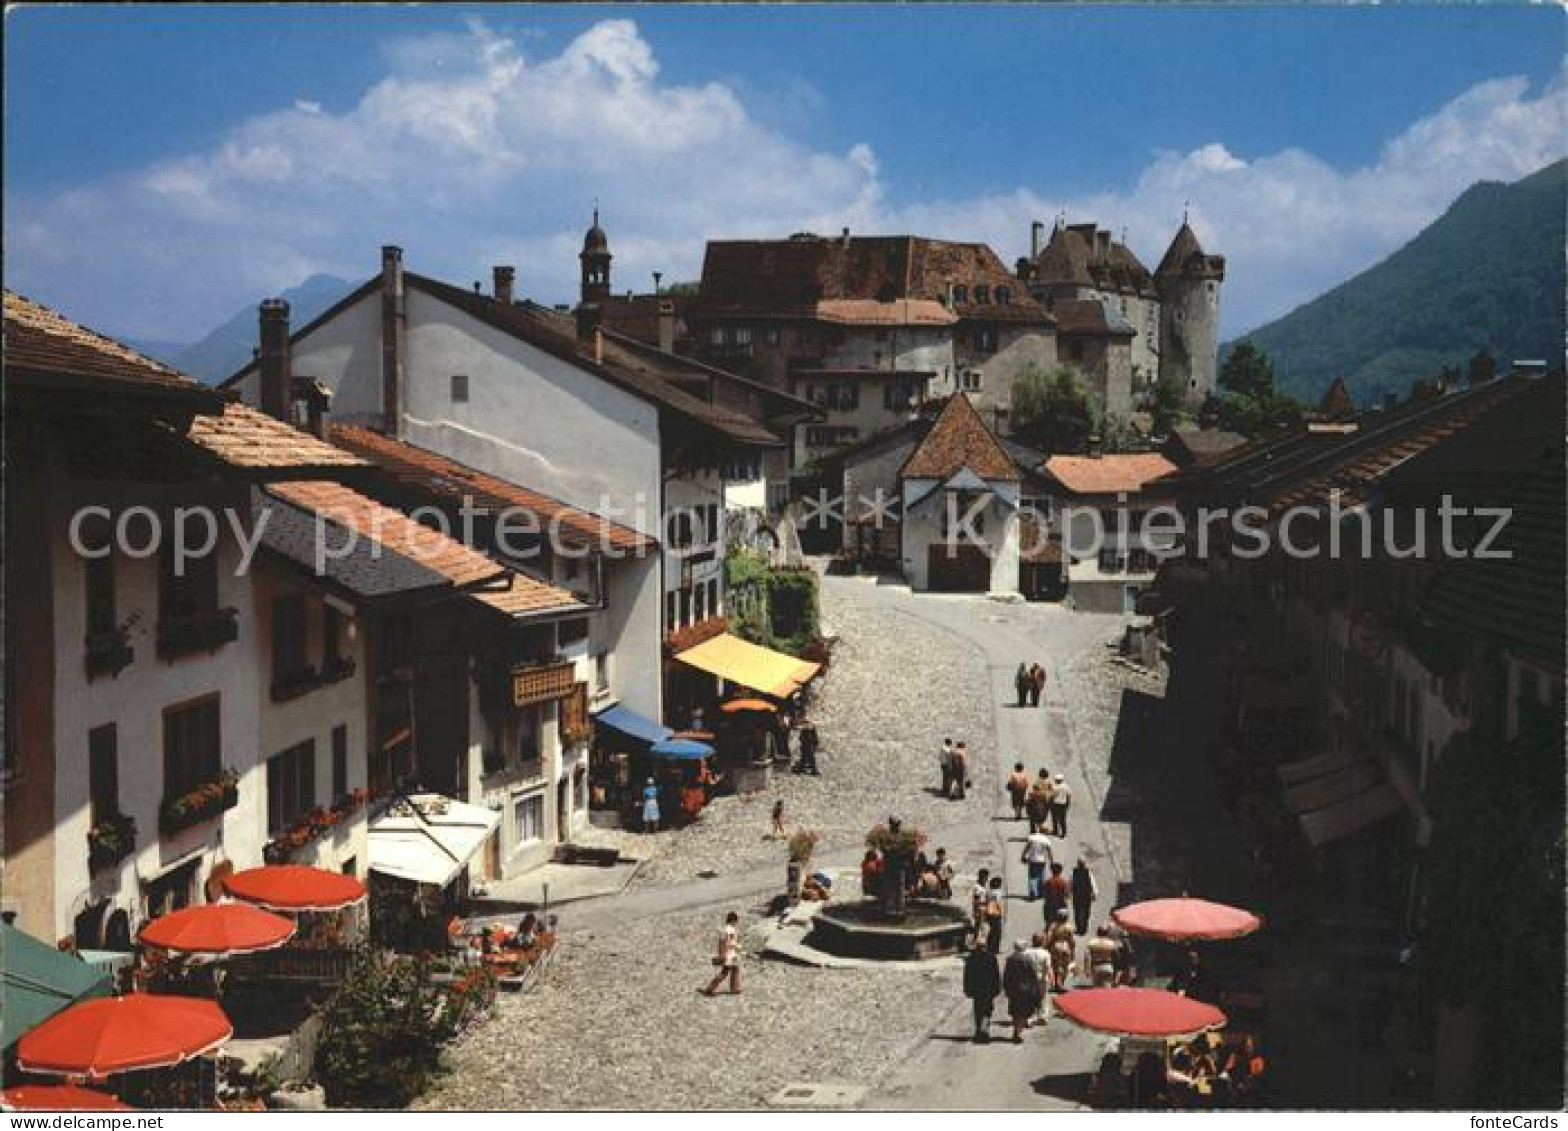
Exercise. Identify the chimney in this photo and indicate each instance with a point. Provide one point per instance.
(1482, 368)
(589, 326)
(667, 325)
(273, 360)
(1096, 446)
(1036, 239)
(317, 400)
(503, 277)
(846, 237)
(394, 330)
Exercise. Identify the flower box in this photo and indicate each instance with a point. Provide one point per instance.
(110, 841)
(315, 824)
(108, 653)
(203, 803)
(204, 632)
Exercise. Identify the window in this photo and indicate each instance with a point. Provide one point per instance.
(713, 598)
(701, 602)
(103, 772)
(771, 335)
(331, 637)
(897, 396)
(829, 437)
(717, 336)
(339, 761)
(192, 593)
(743, 335)
(101, 619)
(459, 388)
(1110, 561)
(971, 380)
(685, 607)
(982, 295)
(288, 638)
(711, 528)
(669, 611)
(190, 746)
(601, 672)
(960, 295)
(571, 631)
(1003, 296)
(528, 817)
(291, 785)
(985, 338)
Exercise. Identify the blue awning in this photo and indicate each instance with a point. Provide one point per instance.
(630, 723)
(681, 748)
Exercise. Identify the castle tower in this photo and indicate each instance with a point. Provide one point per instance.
(1188, 280)
(595, 259)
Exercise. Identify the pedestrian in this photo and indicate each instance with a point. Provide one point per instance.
(1021, 683)
(1021, 984)
(650, 807)
(1036, 684)
(1102, 957)
(982, 982)
(871, 874)
(1063, 945)
(778, 817)
(1040, 956)
(977, 901)
(960, 769)
(1037, 855)
(1085, 892)
(1038, 804)
(943, 867)
(808, 748)
(945, 759)
(781, 733)
(1018, 789)
(728, 957)
(1058, 893)
(1061, 797)
(995, 909)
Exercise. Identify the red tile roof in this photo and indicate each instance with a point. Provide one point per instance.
(436, 476)
(43, 341)
(1108, 474)
(897, 312)
(957, 440)
(243, 437)
(466, 568)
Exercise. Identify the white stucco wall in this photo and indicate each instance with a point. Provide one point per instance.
(694, 491)
(922, 528)
(134, 701)
(344, 353)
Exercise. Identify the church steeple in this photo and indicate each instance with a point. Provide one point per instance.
(595, 259)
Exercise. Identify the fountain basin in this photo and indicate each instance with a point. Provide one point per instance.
(859, 930)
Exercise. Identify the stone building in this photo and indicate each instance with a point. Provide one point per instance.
(1172, 313)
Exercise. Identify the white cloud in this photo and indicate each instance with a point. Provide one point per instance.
(476, 149)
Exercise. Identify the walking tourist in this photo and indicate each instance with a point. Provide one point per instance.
(1036, 684)
(1021, 984)
(650, 807)
(977, 900)
(1040, 956)
(1061, 797)
(1038, 803)
(1022, 682)
(943, 867)
(982, 982)
(945, 759)
(1018, 789)
(1102, 957)
(728, 957)
(995, 909)
(1085, 892)
(1063, 945)
(808, 748)
(1058, 894)
(1037, 855)
(778, 817)
(960, 770)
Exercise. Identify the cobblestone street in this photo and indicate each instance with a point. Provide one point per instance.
(617, 1022)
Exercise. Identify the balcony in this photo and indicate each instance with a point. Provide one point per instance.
(201, 632)
(208, 800)
(110, 841)
(108, 653)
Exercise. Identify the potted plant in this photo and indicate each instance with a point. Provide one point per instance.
(802, 843)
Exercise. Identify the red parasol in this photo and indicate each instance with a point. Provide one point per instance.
(218, 928)
(1185, 919)
(59, 1097)
(1131, 1011)
(736, 706)
(123, 1034)
(295, 887)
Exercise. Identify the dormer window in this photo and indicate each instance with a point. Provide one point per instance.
(982, 295)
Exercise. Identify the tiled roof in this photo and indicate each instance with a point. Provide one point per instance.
(1108, 474)
(1091, 316)
(898, 312)
(796, 276)
(460, 565)
(1337, 403)
(1085, 255)
(243, 437)
(1202, 445)
(1186, 256)
(646, 373)
(434, 476)
(44, 341)
(957, 440)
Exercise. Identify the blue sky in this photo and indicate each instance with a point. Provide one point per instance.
(209, 155)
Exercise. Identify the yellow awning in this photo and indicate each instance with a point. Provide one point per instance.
(750, 665)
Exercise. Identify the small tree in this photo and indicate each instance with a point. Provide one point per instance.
(1052, 410)
(1249, 402)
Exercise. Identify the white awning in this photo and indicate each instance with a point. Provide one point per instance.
(428, 838)
(1351, 815)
